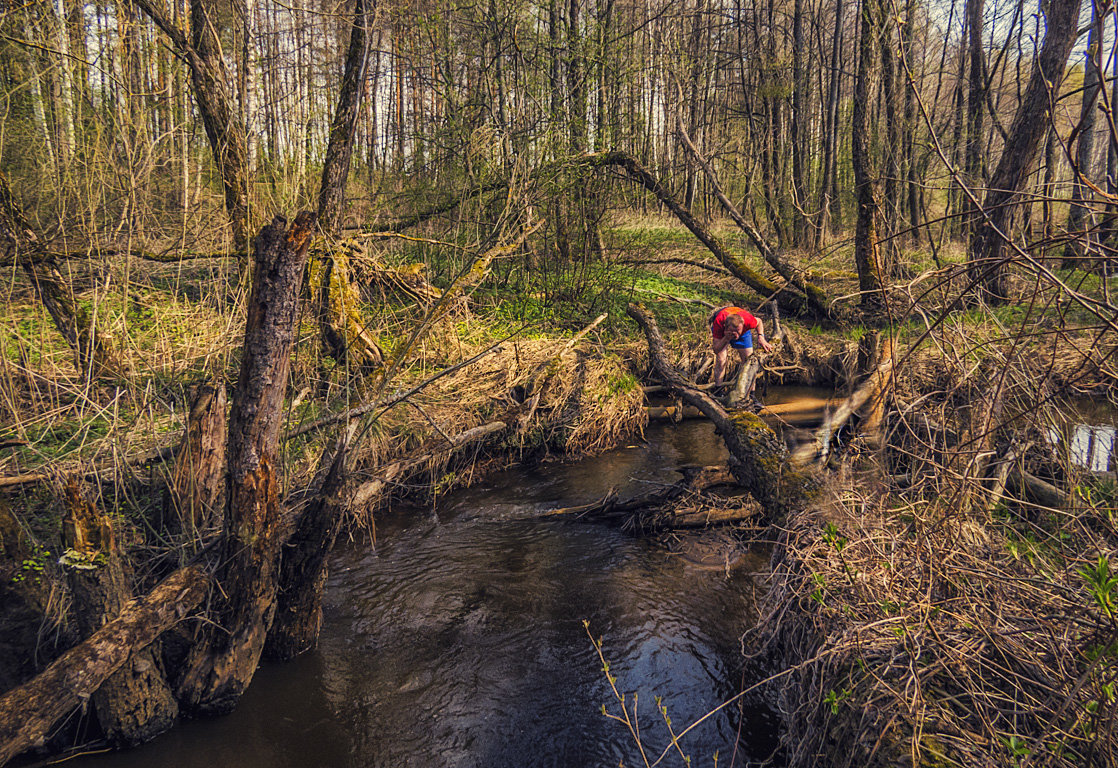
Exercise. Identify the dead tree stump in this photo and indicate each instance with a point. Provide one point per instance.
(224, 658)
(198, 480)
(135, 704)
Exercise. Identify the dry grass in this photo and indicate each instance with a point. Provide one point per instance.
(172, 330)
(932, 613)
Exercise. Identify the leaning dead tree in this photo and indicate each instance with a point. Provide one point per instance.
(737, 266)
(813, 293)
(336, 302)
(200, 50)
(758, 457)
(18, 242)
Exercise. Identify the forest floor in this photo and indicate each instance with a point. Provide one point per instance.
(931, 610)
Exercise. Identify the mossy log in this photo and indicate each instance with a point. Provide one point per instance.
(758, 457)
(28, 713)
(135, 703)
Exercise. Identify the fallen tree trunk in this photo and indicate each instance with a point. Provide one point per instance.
(1042, 492)
(29, 712)
(758, 458)
(751, 277)
(373, 489)
(798, 413)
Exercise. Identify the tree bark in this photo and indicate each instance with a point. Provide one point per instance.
(891, 148)
(1079, 214)
(339, 151)
(867, 257)
(303, 568)
(828, 217)
(990, 244)
(221, 664)
(198, 480)
(976, 98)
(798, 124)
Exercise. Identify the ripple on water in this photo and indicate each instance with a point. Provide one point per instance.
(460, 642)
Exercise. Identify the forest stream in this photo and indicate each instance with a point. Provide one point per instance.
(459, 639)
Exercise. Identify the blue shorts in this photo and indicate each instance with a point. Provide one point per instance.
(745, 341)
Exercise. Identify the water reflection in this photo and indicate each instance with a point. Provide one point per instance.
(1088, 436)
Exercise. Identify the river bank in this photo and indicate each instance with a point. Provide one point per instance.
(922, 526)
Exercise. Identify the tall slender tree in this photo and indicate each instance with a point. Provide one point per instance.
(990, 245)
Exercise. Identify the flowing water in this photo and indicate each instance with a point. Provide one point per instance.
(459, 639)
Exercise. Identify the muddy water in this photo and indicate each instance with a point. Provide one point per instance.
(459, 639)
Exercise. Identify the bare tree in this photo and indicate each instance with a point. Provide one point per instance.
(211, 88)
(990, 245)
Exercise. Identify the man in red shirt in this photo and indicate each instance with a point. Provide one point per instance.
(734, 327)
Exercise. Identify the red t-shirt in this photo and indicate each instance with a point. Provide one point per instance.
(718, 325)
